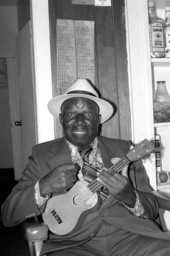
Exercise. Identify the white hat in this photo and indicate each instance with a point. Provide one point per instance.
(81, 88)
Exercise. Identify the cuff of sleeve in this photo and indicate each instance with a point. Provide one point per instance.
(38, 198)
(138, 209)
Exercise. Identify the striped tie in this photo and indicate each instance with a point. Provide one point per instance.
(89, 172)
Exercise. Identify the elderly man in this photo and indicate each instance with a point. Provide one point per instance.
(118, 210)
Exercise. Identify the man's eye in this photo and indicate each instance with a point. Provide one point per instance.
(88, 114)
(69, 115)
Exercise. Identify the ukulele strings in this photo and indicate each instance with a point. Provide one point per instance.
(96, 185)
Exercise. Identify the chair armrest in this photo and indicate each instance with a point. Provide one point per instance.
(163, 198)
(35, 233)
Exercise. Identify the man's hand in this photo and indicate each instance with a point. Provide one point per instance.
(59, 180)
(119, 186)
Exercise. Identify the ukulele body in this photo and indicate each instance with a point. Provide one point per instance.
(67, 211)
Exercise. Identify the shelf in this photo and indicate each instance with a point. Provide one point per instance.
(160, 62)
(164, 188)
(161, 124)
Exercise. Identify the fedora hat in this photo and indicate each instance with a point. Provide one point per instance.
(81, 88)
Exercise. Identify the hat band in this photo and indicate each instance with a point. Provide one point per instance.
(81, 92)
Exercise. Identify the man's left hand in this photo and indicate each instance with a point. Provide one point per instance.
(119, 186)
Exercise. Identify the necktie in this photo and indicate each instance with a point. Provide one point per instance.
(89, 172)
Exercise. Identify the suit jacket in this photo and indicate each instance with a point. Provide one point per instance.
(45, 157)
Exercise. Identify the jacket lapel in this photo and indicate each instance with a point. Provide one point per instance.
(59, 154)
(106, 154)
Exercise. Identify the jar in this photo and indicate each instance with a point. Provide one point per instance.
(163, 178)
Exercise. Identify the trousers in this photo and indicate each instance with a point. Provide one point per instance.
(111, 241)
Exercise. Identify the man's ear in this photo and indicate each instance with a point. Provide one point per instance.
(61, 118)
(100, 117)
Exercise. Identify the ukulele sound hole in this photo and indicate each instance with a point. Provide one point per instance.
(77, 200)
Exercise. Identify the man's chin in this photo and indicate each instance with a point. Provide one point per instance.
(80, 141)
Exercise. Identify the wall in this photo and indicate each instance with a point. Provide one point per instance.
(8, 27)
(23, 13)
(8, 31)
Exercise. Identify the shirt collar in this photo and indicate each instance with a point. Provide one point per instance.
(75, 156)
(74, 149)
(95, 158)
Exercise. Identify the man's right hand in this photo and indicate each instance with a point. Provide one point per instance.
(59, 180)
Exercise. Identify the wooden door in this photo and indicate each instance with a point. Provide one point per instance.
(111, 76)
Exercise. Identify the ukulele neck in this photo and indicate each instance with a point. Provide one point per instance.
(95, 185)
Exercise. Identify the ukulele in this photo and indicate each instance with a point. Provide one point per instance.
(64, 213)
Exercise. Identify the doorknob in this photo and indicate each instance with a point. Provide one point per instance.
(18, 123)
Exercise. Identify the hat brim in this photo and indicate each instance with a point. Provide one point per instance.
(106, 109)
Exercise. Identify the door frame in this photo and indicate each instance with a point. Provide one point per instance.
(140, 78)
(14, 110)
(42, 67)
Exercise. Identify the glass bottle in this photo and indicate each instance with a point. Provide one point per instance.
(167, 32)
(156, 32)
(161, 103)
(151, 12)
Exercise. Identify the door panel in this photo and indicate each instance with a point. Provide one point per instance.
(14, 115)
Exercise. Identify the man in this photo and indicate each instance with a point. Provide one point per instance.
(121, 222)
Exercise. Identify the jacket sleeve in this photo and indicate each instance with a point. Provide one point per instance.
(20, 204)
(140, 180)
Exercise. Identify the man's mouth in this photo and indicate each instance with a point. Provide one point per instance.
(79, 132)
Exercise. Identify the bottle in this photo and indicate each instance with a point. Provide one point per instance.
(156, 31)
(151, 12)
(167, 32)
(161, 103)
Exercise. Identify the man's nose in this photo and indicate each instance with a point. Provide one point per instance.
(80, 118)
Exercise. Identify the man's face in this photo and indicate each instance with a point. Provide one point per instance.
(80, 119)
